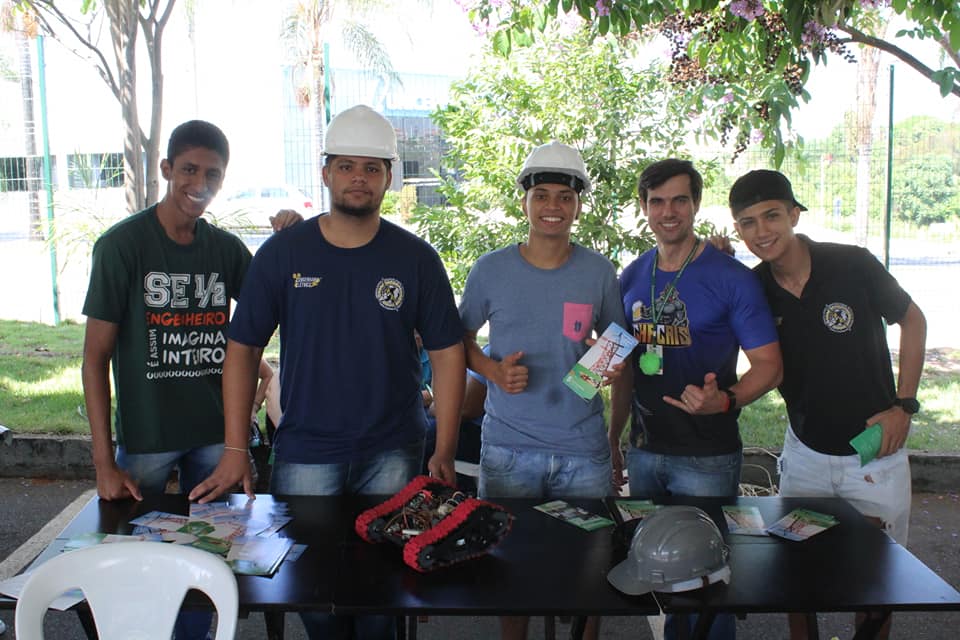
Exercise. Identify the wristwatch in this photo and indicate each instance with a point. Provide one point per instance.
(909, 405)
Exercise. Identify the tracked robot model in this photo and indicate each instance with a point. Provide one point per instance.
(436, 524)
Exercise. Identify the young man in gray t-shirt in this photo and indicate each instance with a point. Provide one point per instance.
(542, 298)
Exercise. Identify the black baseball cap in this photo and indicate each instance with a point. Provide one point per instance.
(760, 185)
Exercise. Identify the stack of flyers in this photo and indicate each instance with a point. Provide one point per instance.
(744, 520)
(611, 348)
(801, 524)
(256, 556)
(634, 509)
(246, 535)
(574, 515)
(84, 540)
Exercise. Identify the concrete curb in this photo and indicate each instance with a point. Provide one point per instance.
(47, 456)
(69, 458)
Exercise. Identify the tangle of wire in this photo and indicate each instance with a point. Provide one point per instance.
(411, 521)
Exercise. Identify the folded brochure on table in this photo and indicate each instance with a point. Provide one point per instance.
(744, 520)
(577, 516)
(801, 524)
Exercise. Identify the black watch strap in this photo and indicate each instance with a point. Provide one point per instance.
(909, 405)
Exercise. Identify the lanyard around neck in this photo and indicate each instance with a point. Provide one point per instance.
(654, 315)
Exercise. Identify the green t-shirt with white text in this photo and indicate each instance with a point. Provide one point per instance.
(172, 305)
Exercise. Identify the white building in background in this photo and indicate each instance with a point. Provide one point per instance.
(231, 68)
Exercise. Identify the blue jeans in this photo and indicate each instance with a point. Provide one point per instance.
(384, 473)
(151, 472)
(655, 474)
(519, 473)
(724, 626)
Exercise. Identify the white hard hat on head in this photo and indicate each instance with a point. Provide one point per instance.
(676, 548)
(554, 163)
(361, 131)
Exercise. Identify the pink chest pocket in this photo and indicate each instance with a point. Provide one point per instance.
(577, 320)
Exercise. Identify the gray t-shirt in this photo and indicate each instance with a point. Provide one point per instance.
(546, 314)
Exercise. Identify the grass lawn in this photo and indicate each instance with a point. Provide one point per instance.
(40, 390)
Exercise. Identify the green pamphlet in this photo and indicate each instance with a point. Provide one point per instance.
(867, 443)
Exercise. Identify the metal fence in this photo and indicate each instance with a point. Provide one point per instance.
(851, 181)
(893, 189)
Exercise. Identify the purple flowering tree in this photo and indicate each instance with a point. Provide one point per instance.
(749, 59)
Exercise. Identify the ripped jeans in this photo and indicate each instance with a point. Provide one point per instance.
(880, 489)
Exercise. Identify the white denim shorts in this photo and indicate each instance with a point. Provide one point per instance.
(880, 489)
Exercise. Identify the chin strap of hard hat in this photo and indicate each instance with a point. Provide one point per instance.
(720, 575)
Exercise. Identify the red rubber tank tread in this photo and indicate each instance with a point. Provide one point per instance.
(415, 547)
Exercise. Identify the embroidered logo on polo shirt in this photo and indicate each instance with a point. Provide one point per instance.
(389, 293)
(301, 281)
(838, 317)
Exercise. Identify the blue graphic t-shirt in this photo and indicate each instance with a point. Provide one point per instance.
(716, 307)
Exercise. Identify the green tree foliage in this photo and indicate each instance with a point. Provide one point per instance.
(580, 91)
(926, 182)
(927, 135)
(927, 191)
(759, 52)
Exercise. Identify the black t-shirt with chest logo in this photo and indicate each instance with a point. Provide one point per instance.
(837, 370)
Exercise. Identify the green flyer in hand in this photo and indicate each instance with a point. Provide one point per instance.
(867, 443)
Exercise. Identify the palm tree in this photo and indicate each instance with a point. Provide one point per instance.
(307, 28)
(24, 31)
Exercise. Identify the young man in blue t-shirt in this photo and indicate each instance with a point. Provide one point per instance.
(692, 308)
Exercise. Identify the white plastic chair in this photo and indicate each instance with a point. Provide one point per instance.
(134, 589)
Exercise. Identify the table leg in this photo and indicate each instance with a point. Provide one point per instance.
(704, 622)
(871, 625)
(813, 631)
(577, 626)
(274, 622)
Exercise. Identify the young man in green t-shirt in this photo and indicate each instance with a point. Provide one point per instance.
(157, 308)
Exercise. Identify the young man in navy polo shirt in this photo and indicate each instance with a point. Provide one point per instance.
(347, 290)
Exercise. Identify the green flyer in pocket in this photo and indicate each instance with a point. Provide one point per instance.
(867, 443)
